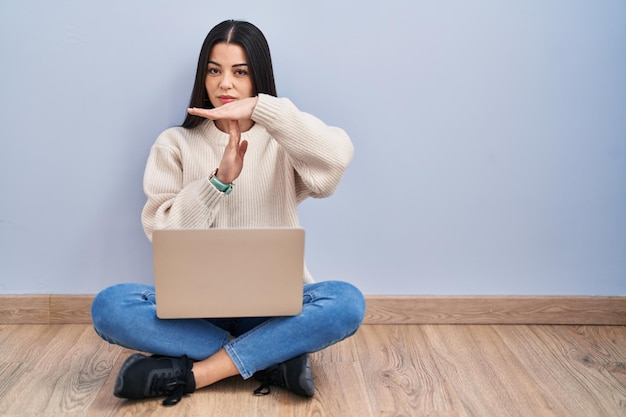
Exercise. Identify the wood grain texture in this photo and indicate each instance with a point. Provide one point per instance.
(580, 369)
(70, 309)
(24, 309)
(383, 370)
(496, 310)
(75, 309)
(398, 367)
(495, 383)
(65, 367)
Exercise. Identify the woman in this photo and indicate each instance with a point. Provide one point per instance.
(236, 131)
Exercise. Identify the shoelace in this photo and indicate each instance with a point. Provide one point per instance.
(168, 384)
(269, 377)
(171, 384)
(177, 394)
(263, 389)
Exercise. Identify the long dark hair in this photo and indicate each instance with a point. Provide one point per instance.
(253, 42)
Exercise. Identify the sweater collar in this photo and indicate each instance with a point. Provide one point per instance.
(214, 134)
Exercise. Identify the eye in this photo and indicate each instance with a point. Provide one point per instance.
(241, 72)
(213, 71)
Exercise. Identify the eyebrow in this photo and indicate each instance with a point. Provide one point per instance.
(236, 65)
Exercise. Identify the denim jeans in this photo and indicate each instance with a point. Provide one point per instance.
(125, 315)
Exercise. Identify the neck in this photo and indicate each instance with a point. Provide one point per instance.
(224, 125)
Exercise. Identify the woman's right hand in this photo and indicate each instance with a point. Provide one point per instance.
(232, 160)
(239, 109)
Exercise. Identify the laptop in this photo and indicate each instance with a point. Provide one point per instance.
(218, 273)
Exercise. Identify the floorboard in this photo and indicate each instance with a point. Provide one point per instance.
(382, 371)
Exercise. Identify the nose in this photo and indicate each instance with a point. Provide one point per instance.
(226, 82)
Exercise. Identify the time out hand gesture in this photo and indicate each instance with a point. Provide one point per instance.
(232, 160)
(237, 110)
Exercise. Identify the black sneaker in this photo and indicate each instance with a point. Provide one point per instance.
(294, 374)
(141, 377)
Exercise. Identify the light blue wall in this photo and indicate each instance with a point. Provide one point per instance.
(490, 138)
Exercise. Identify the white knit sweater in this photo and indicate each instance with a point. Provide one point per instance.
(291, 156)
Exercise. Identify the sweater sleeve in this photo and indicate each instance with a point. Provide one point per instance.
(319, 153)
(171, 204)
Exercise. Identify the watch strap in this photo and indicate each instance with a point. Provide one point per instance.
(219, 185)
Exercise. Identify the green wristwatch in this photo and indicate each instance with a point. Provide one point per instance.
(225, 188)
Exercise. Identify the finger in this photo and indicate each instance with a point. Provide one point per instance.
(223, 112)
(206, 113)
(243, 147)
(235, 132)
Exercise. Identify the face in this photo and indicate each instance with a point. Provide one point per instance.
(228, 74)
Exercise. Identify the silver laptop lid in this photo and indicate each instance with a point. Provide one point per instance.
(213, 273)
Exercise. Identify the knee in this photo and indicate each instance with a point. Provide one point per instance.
(108, 306)
(355, 302)
(349, 305)
(101, 308)
(105, 298)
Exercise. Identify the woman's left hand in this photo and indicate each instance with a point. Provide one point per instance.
(237, 110)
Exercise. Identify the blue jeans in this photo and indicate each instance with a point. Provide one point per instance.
(125, 315)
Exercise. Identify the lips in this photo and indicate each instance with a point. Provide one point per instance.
(226, 99)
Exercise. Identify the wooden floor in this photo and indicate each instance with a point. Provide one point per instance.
(384, 370)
